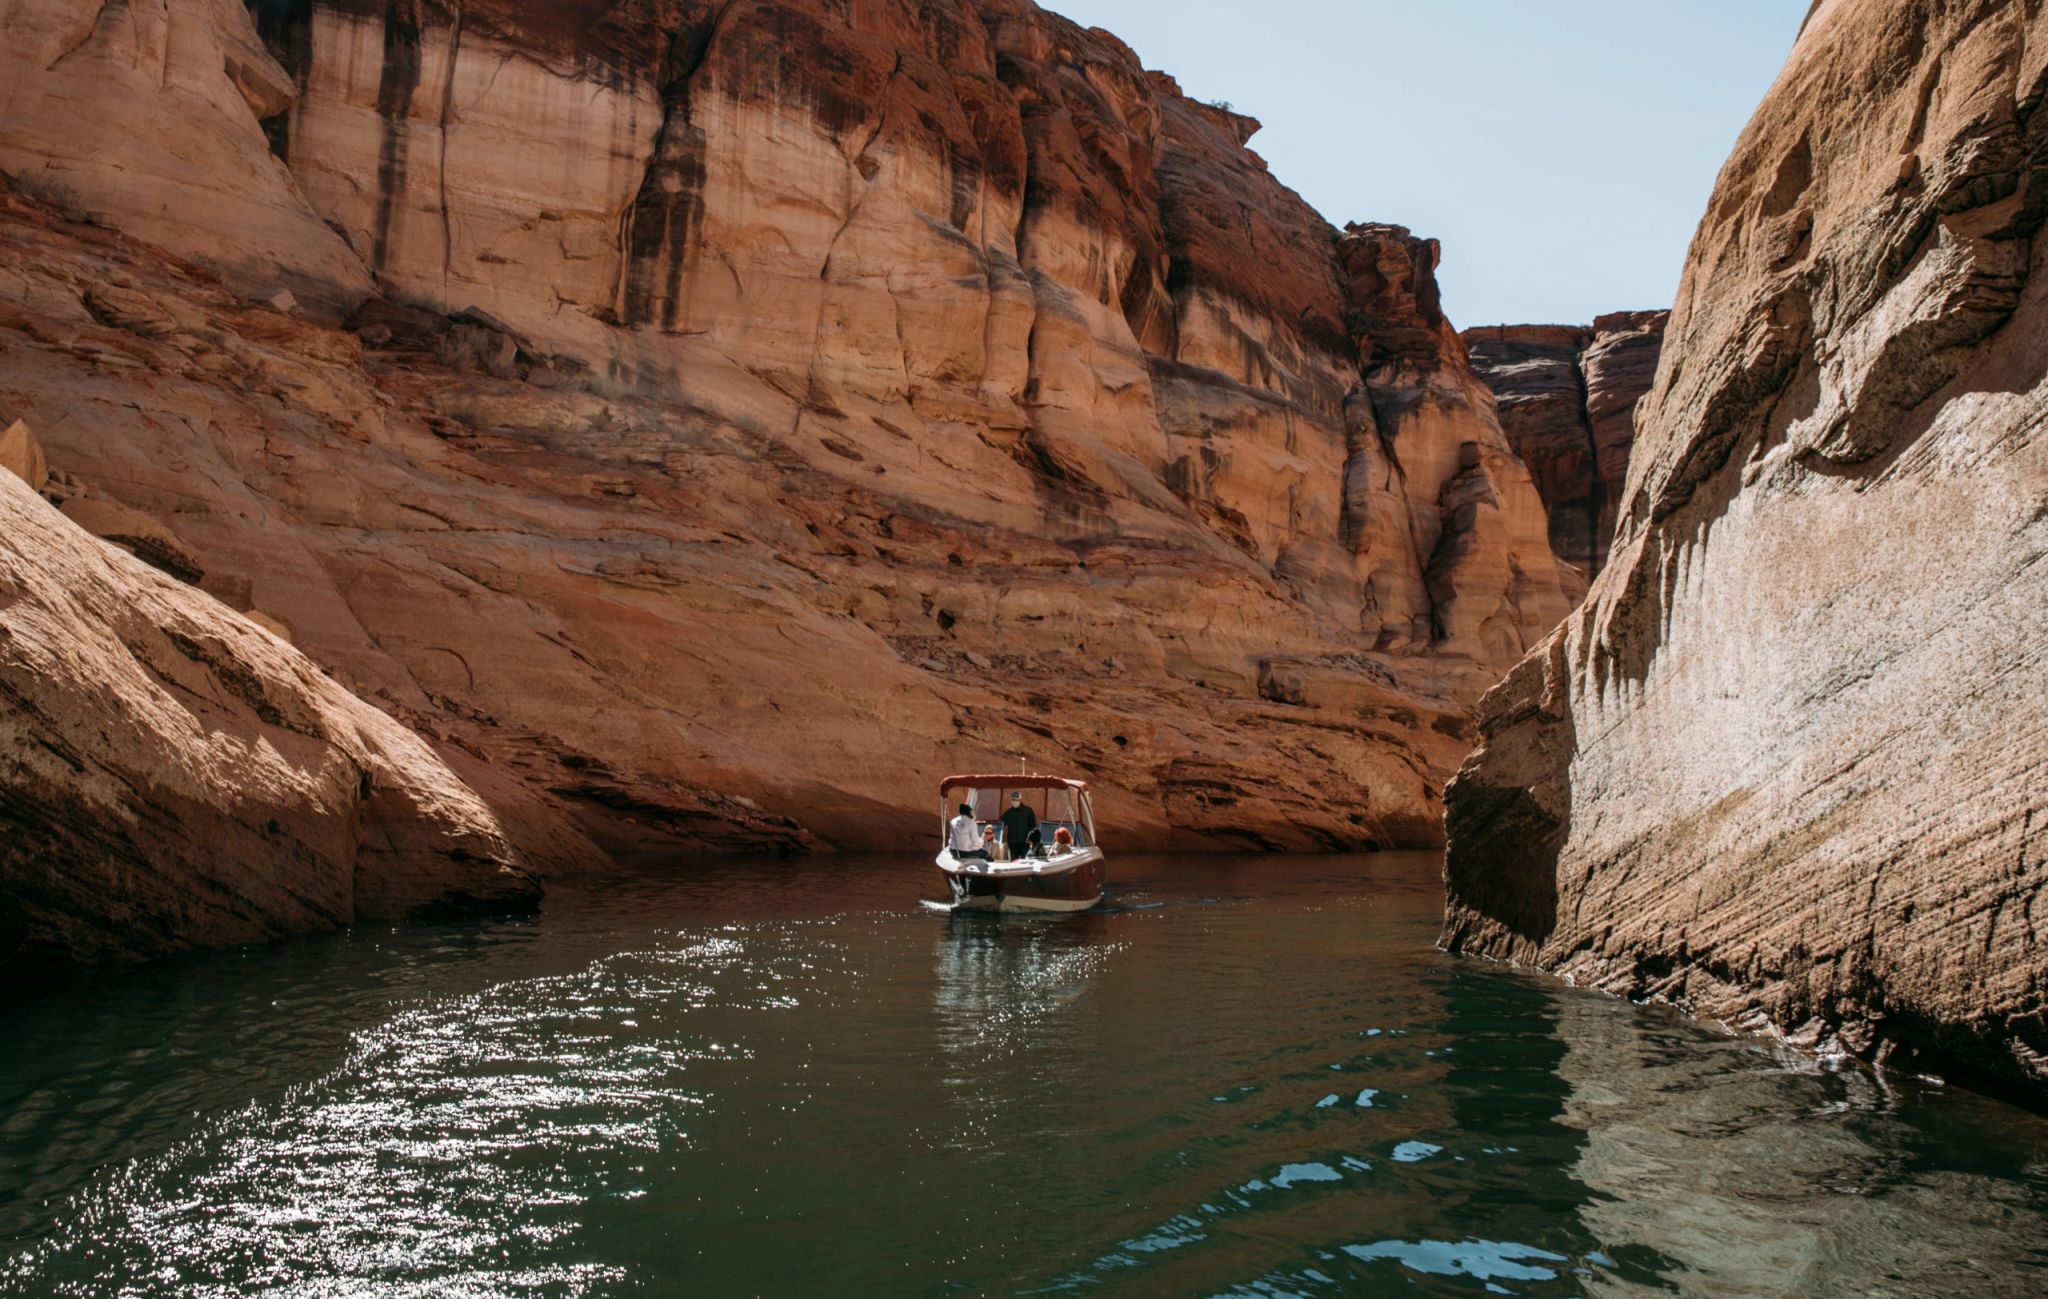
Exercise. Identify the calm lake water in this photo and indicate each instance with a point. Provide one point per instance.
(1256, 1078)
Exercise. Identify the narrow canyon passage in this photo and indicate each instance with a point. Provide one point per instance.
(1253, 1077)
(507, 510)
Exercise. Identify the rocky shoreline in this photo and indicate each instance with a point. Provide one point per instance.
(860, 401)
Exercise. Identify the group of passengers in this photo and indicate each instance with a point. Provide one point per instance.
(1019, 835)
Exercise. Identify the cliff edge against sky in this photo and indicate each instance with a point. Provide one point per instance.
(710, 423)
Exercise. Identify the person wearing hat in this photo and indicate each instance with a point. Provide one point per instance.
(964, 837)
(1018, 823)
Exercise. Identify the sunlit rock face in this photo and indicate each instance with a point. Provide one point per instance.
(1488, 583)
(1784, 767)
(1566, 396)
(751, 412)
(172, 776)
(137, 116)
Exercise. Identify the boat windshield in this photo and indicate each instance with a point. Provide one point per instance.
(1053, 808)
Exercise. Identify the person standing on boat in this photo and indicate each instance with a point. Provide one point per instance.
(1018, 823)
(965, 837)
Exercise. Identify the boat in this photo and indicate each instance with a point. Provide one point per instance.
(1062, 879)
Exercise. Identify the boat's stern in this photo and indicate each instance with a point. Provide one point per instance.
(1057, 814)
(1070, 882)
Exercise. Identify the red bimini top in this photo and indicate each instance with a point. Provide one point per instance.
(1010, 782)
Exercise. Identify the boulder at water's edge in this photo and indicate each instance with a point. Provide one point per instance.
(173, 777)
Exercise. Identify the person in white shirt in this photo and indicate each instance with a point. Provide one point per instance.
(965, 837)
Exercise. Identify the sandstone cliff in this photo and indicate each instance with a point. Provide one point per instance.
(172, 777)
(749, 412)
(1786, 765)
(1567, 397)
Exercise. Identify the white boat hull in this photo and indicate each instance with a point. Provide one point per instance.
(1072, 882)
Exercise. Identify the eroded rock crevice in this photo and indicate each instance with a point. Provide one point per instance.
(1566, 396)
(668, 205)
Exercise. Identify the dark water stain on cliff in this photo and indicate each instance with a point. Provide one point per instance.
(669, 206)
(286, 27)
(964, 177)
(397, 82)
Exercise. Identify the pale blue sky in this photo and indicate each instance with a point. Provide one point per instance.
(1563, 150)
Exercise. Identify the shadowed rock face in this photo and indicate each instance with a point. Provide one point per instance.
(751, 412)
(1566, 396)
(1784, 767)
(173, 777)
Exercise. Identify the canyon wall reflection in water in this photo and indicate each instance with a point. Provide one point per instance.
(1255, 1077)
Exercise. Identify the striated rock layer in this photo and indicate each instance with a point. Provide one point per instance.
(173, 777)
(749, 412)
(1567, 397)
(1788, 765)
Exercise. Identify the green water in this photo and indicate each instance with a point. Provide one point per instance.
(1255, 1079)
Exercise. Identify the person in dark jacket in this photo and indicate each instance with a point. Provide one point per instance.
(1018, 823)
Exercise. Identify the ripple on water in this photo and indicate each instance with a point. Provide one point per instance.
(714, 1084)
(1487, 1260)
(460, 1141)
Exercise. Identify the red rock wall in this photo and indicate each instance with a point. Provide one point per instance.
(783, 403)
(1566, 397)
(1784, 767)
